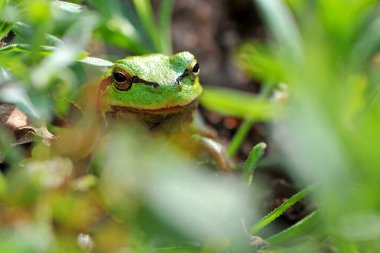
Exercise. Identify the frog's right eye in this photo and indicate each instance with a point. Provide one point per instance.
(195, 68)
(122, 80)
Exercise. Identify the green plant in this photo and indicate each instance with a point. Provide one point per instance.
(136, 202)
(325, 51)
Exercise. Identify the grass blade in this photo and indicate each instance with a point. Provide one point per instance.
(281, 24)
(246, 125)
(368, 44)
(4, 29)
(74, 42)
(69, 7)
(239, 136)
(280, 210)
(96, 62)
(295, 230)
(43, 50)
(254, 157)
(165, 25)
(8, 17)
(118, 28)
(236, 103)
(146, 15)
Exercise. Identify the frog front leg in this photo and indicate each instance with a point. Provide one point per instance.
(217, 151)
(207, 139)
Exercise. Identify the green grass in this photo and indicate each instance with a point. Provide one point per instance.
(270, 217)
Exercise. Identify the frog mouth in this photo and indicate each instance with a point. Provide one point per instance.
(174, 116)
(161, 111)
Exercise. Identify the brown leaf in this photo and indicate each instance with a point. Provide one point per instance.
(18, 123)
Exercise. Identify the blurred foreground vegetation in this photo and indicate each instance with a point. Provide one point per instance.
(320, 97)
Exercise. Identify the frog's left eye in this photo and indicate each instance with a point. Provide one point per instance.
(195, 68)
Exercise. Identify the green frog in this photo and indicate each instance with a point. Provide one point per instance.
(160, 91)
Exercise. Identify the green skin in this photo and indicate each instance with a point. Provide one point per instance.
(161, 91)
(160, 69)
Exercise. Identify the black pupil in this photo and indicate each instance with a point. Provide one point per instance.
(119, 77)
(196, 68)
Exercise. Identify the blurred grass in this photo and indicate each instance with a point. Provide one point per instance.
(326, 124)
(296, 231)
(240, 104)
(314, 50)
(280, 210)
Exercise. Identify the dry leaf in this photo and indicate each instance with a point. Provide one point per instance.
(18, 123)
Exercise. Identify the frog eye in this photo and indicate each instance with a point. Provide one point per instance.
(122, 80)
(195, 68)
(119, 77)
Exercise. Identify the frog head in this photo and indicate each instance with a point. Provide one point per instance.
(150, 83)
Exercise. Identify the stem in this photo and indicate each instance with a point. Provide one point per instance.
(239, 136)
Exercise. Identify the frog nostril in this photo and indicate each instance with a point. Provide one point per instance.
(119, 77)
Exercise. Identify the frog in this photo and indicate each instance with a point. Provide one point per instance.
(162, 92)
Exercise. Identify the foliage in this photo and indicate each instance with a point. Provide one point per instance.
(325, 51)
(123, 193)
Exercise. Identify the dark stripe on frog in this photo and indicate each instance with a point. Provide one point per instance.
(137, 79)
(179, 79)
